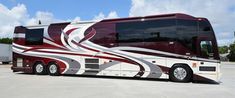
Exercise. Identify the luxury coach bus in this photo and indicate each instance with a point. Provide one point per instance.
(177, 46)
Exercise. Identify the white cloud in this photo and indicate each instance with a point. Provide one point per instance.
(10, 18)
(100, 16)
(113, 14)
(18, 15)
(220, 13)
(44, 17)
(77, 19)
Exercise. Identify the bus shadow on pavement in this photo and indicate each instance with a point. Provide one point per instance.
(142, 79)
(127, 78)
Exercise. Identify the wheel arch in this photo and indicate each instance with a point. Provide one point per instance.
(184, 64)
(52, 62)
(37, 61)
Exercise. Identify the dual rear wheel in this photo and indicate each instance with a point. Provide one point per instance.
(40, 69)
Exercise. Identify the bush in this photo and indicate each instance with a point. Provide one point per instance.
(223, 49)
(231, 55)
(6, 40)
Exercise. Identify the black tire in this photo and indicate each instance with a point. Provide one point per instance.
(180, 73)
(53, 69)
(39, 68)
(5, 62)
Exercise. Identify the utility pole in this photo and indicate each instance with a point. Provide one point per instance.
(234, 36)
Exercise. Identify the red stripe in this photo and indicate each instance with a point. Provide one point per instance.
(48, 39)
(104, 57)
(71, 30)
(30, 49)
(89, 35)
(53, 45)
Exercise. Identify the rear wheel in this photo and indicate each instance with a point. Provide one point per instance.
(39, 68)
(53, 69)
(180, 73)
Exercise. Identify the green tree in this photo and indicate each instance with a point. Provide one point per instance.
(231, 55)
(223, 49)
(6, 40)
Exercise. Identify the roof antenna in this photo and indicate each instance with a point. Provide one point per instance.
(39, 22)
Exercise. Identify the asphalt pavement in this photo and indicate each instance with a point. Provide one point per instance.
(19, 85)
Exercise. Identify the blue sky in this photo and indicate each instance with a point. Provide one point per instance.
(221, 13)
(68, 9)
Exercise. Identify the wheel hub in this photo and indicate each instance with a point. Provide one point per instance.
(53, 68)
(180, 73)
(39, 68)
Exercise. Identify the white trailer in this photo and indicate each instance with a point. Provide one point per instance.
(5, 53)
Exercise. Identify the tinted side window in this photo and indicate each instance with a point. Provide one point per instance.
(105, 34)
(130, 31)
(187, 25)
(205, 28)
(34, 37)
(187, 31)
(160, 30)
(147, 31)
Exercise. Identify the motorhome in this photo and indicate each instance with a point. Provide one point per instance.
(174, 46)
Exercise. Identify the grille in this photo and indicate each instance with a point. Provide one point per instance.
(91, 64)
(207, 68)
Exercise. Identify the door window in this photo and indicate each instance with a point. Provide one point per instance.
(206, 49)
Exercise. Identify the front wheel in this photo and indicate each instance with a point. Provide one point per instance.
(180, 73)
(53, 69)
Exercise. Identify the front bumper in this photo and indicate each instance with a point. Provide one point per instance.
(22, 69)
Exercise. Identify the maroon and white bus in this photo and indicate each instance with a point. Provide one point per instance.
(175, 46)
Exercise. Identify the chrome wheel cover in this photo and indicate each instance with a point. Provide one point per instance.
(39, 68)
(53, 68)
(180, 73)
